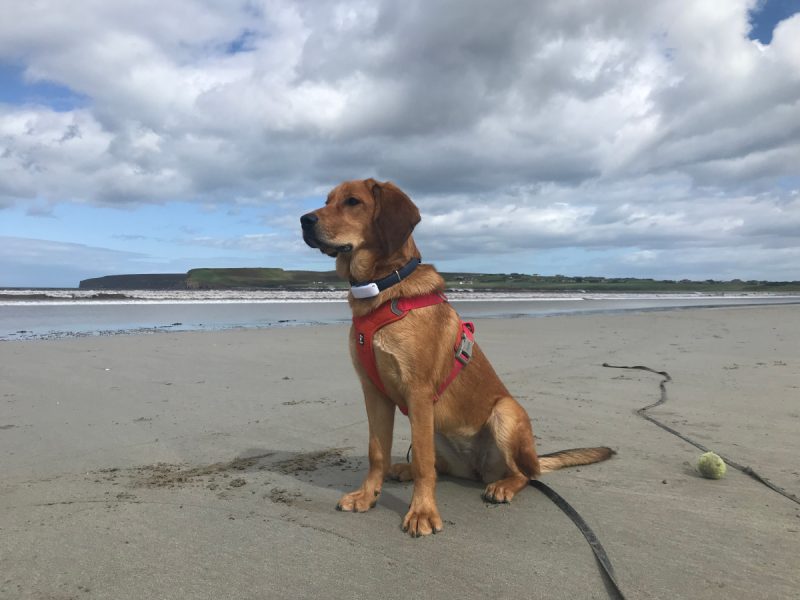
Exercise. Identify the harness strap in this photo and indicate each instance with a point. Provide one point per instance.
(365, 327)
(463, 354)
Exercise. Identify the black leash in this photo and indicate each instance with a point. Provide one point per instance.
(591, 537)
(663, 386)
(594, 543)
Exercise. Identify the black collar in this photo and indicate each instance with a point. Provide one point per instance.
(370, 289)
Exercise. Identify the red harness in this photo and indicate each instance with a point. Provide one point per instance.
(364, 329)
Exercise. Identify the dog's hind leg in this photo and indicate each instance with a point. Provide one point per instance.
(511, 429)
(404, 472)
(401, 472)
(454, 456)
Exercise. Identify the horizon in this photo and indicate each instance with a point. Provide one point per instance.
(465, 273)
(635, 141)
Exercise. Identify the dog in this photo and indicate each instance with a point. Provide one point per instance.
(474, 428)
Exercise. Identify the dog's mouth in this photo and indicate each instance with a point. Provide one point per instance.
(332, 251)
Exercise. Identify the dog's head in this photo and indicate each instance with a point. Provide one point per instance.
(361, 217)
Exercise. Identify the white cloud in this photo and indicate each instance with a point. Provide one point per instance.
(635, 125)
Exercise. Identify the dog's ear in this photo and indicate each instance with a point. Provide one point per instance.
(395, 215)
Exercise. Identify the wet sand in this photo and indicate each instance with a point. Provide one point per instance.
(208, 465)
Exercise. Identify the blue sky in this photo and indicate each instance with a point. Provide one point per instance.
(14, 89)
(767, 14)
(639, 141)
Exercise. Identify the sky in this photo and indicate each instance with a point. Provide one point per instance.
(611, 138)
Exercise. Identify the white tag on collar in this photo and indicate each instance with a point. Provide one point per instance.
(365, 290)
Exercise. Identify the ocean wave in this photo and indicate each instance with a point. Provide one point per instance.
(69, 296)
(65, 297)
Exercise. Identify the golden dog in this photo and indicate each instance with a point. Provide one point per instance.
(475, 430)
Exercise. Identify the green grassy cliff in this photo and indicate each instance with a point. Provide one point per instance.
(273, 278)
(146, 281)
(260, 278)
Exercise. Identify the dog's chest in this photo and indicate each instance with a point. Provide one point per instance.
(388, 348)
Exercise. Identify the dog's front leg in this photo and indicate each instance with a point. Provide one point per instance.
(380, 414)
(423, 516)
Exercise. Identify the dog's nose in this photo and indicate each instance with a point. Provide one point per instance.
(308, 220)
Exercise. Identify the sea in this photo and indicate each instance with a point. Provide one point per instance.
(42, 314)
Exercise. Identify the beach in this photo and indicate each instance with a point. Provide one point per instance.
(207, 464)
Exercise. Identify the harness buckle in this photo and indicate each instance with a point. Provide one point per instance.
(464, 350)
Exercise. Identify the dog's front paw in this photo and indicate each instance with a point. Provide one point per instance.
(400, 472)
(358, 501)
(422, 518)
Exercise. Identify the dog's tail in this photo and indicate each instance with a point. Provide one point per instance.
(573, 457)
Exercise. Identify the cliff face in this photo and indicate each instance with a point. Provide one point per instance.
(274, 278)
(259, 278)
(221, 279)
(154, 281)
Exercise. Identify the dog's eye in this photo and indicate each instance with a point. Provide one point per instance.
(352, 201)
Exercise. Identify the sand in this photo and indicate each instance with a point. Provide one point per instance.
(208, 465)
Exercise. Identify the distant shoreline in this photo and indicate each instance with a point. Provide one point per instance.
(280, 279)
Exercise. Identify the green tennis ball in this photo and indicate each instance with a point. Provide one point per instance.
(711, 466)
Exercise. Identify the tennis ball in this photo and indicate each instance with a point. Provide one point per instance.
(711, 466)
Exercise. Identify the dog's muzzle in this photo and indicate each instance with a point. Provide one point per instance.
(308, 223)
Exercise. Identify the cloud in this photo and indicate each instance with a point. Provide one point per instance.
(534, 125)
(27, 252)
